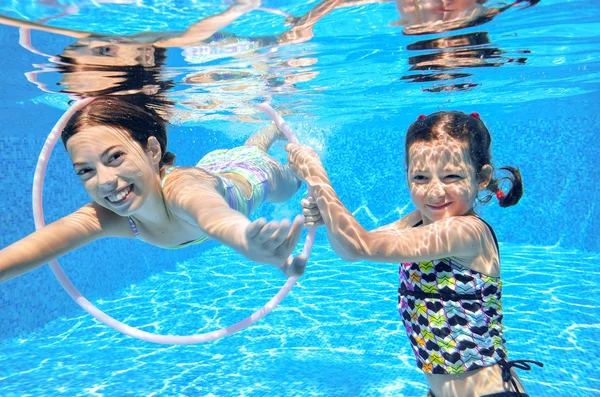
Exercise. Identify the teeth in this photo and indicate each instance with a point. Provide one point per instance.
(120, 196)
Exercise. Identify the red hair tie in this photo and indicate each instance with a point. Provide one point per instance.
(421, 117)
(474, 114)
(500, 194)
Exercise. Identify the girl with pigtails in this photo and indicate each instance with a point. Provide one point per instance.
(450, 295)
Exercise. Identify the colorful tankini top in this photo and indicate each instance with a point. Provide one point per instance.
(452, 314)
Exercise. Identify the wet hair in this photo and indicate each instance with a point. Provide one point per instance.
(471, 130)
(136, 114)
(129, 78)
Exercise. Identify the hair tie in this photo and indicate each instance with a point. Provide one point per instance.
(421, 117)
(474, 114)
(500, 194)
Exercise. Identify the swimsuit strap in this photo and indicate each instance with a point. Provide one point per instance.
(487, 224)
(133, 227)
(131, 222)
(167, 172)
(521, 364)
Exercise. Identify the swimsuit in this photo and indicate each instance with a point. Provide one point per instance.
(453, 317)
(246, 161)
(222, 45)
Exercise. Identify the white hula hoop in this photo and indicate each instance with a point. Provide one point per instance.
(38, 214)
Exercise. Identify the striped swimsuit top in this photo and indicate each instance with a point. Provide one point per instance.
(452, 315)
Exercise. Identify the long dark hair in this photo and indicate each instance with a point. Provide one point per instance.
(137, 114)
(471, 130)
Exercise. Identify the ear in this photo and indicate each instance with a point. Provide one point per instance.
(153, 150)
(484, 176)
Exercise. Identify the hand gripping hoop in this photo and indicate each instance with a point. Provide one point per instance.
(38, 214)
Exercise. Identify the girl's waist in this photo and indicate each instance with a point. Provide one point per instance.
(476, 383)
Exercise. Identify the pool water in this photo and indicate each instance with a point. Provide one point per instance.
(350, 92)
(337, 333)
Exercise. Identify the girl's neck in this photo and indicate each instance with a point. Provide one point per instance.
(427, 221)
(154, 209)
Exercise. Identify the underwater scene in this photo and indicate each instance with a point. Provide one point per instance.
(300, 198)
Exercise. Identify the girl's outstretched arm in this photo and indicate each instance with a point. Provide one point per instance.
(206, 27)
(85, 225)
(8, 21)
(461, 237)
(191, 196)
(312, 217)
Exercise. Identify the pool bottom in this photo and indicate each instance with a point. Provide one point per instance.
(336, 334)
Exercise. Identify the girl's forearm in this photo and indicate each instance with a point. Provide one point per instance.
(52, 241)
(345, 233)
(34, 251)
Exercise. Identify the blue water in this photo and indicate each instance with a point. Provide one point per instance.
(338, 332)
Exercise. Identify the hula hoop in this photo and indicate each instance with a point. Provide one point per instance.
(38, 214)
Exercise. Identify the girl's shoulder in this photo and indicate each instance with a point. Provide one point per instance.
(104, 221)
(173, 175)
(485, 255)
(176, 180)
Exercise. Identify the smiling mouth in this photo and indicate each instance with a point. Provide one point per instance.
(121, 196)
(438, 207)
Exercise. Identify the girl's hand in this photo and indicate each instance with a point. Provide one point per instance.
(274, 242)
(305, 163)
(312, 215)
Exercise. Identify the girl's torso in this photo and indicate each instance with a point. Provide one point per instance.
(453, 317)
(176, 232)
(477, 383)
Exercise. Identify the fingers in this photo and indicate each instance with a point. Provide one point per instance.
(308, 202)
(311, 213)
(295, 266)
(267, 232)
(275, 237)
(254, 228)
(295, 232)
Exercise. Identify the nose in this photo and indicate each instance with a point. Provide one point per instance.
(107, 180)
(436, 192)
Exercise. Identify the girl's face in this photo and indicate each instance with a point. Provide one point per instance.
(110, 52)
(442, 179)
(116, 172)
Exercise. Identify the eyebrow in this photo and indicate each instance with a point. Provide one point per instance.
(104, 153)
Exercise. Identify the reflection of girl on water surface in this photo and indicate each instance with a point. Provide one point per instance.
(138, 49)
(435, 16)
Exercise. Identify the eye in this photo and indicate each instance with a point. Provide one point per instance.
(83, 171)
(420, 178)
(103, 50)
(453, 177)
(114, 157)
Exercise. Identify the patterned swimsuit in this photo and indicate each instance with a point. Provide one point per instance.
(453, 317)
(452, 314)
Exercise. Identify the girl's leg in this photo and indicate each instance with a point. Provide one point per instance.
(283, 184)
(265, 138)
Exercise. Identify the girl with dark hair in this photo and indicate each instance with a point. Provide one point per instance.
(450, 286)
(118, 147)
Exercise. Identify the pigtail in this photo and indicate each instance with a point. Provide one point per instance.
(514, 194)
(167, 159)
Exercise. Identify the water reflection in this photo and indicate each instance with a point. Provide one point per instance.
(471, 50)
(444, 59)
(224, 72)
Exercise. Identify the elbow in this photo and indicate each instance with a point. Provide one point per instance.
(344, 255)
(4, 275)
(351, 252)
